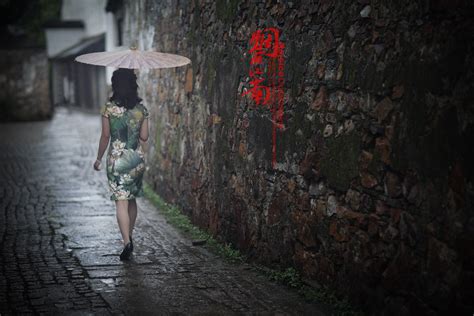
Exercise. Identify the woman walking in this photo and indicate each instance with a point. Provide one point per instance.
(125, 124)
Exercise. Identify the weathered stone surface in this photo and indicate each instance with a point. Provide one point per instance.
(399, 273)
(392, 185)
(383, 109)
(308, 167)
(353, 199)
(383, 148)
(305, 259)
(339, 162)
(304, 223)
(24, 76)
(338, 231)
(188, 85)
(321, 99)
(331, 205)
(367, 180)
(376, 101)
(365, 11)
(320, 70)
(397, 91)
(364, 160)
(328, 130)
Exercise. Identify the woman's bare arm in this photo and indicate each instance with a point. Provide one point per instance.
(104, 137)
(143, 137)
(144, 130)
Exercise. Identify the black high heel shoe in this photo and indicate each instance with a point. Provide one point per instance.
(127, 251)
(131, 244)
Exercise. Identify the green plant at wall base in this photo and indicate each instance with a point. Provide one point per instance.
(175, 217)
(288, 277)
(228, 252)
(291, 278)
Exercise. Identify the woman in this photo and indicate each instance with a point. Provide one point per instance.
(125, 123)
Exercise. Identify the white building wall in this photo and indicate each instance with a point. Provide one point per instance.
(111, 39)
(59, 39)
(91, 12)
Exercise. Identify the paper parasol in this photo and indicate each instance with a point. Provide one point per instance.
(134, 59)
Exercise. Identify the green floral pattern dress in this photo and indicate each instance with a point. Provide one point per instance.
(125, 162)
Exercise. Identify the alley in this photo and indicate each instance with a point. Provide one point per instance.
(60, 241)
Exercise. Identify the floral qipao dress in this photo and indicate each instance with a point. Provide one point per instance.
(125, 159)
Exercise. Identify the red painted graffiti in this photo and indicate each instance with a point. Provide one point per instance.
(266, 89)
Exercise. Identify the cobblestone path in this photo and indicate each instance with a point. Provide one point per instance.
(60, 240)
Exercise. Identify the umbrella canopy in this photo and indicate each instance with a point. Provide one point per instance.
(134, 59)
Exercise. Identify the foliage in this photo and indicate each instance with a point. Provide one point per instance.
(288, 277)
(291, 278)
(175, 217)
(28, 16)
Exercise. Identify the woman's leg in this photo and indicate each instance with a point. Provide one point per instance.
(132, 213)
(123, 219)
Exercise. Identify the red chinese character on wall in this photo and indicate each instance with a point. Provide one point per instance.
(267, 86)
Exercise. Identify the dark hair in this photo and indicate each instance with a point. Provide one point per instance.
(124, 87)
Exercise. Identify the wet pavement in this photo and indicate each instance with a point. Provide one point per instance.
(60, 241)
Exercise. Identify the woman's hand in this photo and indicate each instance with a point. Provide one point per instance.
(96, 165)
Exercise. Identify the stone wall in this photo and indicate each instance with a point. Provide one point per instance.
(373, 190)
(25, 85)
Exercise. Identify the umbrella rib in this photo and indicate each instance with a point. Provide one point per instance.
(129, 60)
(148, 63)
(106, 60)
(116, 61)
(162, 61)
(100, 57)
